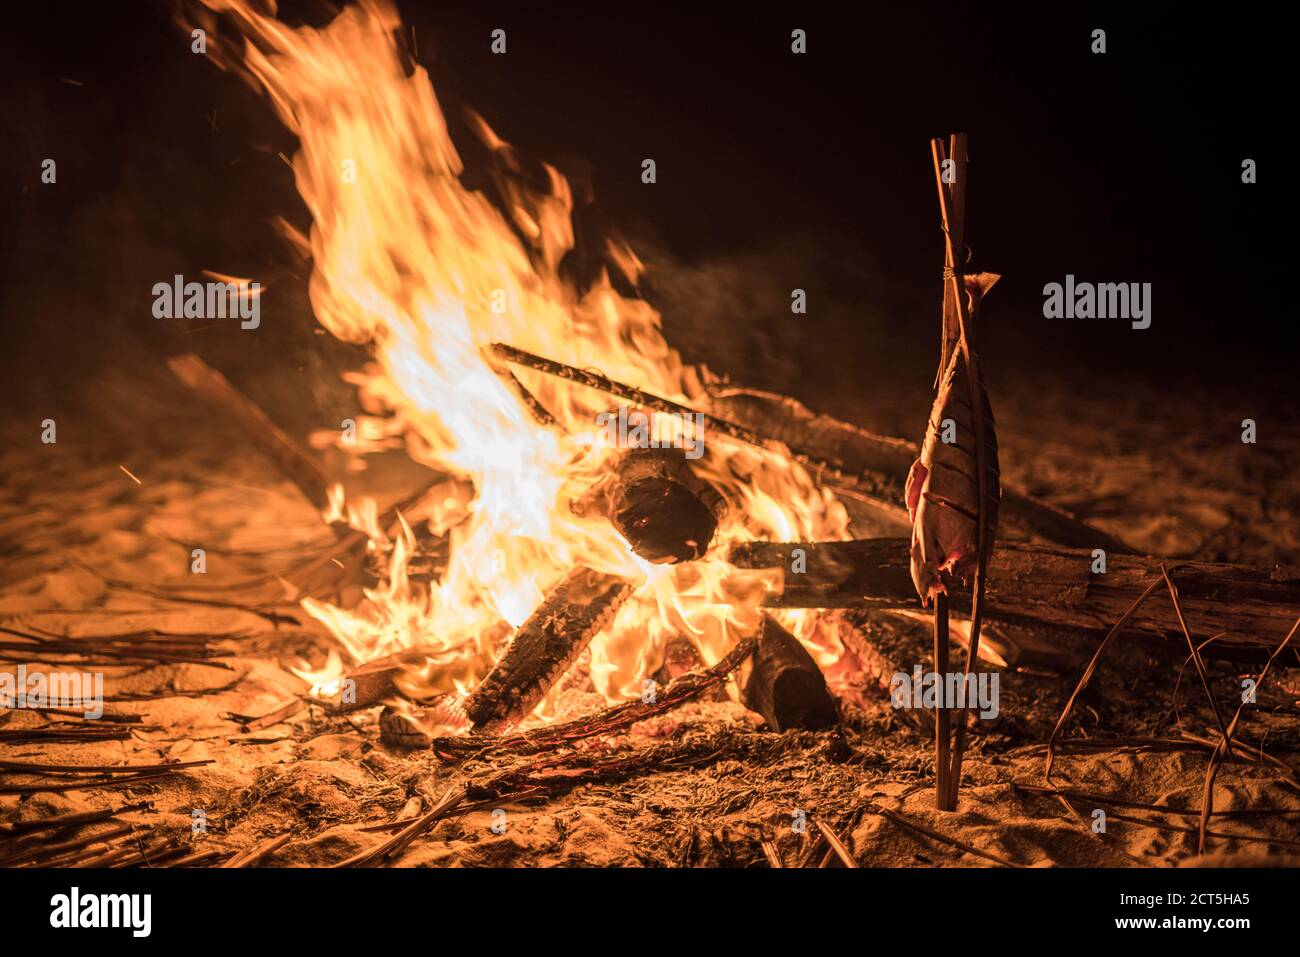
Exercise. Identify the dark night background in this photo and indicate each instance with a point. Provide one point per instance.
(775, 171)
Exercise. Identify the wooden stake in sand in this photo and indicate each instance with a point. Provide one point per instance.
(953, 489)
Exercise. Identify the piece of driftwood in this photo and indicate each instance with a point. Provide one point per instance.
(33, 767)
(44, 852)
(785, 685)
(53, 778)
(872, 469)
(270, 719)
(544, 647)
(1247, 610)
(67, 732)
(65, 821)
(288, 456)
(90, 650)
(840, 851)
(255, 855)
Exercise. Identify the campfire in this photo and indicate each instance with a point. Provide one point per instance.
(581, 494)
(610, 567)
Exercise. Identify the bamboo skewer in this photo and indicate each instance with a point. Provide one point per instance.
(947, 342)
(950, 207)
(942, 722)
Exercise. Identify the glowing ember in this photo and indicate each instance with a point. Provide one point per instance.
(429, 273)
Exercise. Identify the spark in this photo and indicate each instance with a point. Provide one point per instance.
(129, 475)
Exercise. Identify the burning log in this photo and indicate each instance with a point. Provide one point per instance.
(666, 512)
(885, 645)
(1249, 609)
(214, 388)
(785, 685)
(856, 463)
(410, 727)
(546, 645)
(613, 720)
(667, 515)
(375, 681)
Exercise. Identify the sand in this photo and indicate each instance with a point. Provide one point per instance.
(74, 526)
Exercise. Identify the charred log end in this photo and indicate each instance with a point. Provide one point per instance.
(416, 727)
(680, 658)
(666, 512)
(402, 731)
(375, 681)
(664, 522)
(785, 685)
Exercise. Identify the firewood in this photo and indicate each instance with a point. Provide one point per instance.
(612, 720)
(680, 658)
(374, 682)
(289, 457)
(546, 645)
(856, 463)
(785, 685)
(872, 469)
(398, 730)
(666, 513)
(885, 645)
(1249, 609)
(412, 726)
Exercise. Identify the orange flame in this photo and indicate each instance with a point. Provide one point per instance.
(429, 273)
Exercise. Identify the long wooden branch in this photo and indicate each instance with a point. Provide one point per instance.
(610, 721)
(1245, 607)
(850, 460)
(215, 389)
